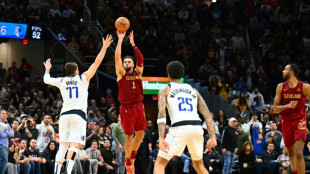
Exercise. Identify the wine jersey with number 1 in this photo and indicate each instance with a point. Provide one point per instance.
(74, 92)
(182, 103)
(130, 90)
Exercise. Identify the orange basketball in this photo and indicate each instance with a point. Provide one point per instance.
(122, 24)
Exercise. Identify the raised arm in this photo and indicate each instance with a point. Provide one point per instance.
(276, 107)
(93, 68)
(161, 121)
(139, 64)
(47, 77)
(120, 71)
(306, 89)
(204, 110)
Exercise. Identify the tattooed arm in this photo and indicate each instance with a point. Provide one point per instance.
(203, 109)
(161, 121)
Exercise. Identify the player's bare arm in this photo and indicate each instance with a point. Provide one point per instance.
(139, 67)
(306, 90)
(47, 65)
(120, 71)
(277, 107)
(204, 110)
(161, 121)
(93, 68)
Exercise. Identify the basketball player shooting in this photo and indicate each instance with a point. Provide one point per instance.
(74, 91)
(182, 102)
(290, 102)
(130, 95)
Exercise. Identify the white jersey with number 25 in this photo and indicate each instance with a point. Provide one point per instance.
(182, 103)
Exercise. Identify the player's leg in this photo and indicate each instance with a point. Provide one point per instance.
(292, 156)
(128, 145)
(160, 165)
(60, 156)
(199, 167)
(63, 145)
(139, 135)
(299, 156)
(71, 156)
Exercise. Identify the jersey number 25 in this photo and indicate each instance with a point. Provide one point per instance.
(185, 101)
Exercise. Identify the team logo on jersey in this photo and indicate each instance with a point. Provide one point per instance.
(298, 89)
(83, 138)
(302, 124)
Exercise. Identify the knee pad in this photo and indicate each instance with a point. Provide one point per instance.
(74, 149)
(60, 156)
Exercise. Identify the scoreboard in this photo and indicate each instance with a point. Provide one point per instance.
(21, 31)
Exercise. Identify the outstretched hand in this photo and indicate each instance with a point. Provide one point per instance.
(132, 42)
(48, 64)
(164, 146)
(211, 143)
(107, 42)
(120, 34)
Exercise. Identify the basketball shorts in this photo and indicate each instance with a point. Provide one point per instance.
(132, 118)
(72, 129)
(179, 137)
(294, 130)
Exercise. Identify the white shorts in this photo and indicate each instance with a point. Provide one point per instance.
(179, 137)
(72, 129)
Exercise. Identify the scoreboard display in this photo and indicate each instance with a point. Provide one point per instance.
(21, 31)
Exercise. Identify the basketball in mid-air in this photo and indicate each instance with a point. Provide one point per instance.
(122, 24)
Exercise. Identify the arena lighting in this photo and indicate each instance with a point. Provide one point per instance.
(25, 42)
(151, 85)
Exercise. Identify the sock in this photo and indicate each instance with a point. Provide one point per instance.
(128, 161)
(57, 168)
(295, 172)
(69, 167)
(133, 154)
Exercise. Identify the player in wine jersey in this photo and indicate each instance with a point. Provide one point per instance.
(130, 95)
(74, 91)
(290, 102)
(182, 102)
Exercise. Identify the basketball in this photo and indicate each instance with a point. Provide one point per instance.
(122, 24)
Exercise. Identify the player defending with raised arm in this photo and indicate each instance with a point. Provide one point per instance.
(74, 91)
(290, 102)
(130, 95)
(182, 102)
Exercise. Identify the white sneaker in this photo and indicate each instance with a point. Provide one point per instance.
(3, 126)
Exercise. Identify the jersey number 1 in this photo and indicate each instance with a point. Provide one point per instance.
(187, 101)
(76, 91)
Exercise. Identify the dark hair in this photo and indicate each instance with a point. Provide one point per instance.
(175, 69)
(295, 69)
(245, 144)
(70, 68)
(93, 142)
(130, 57)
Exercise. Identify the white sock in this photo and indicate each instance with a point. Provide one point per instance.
(69, 167)
(57, 168)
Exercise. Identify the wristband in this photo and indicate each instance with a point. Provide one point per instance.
(161, 120)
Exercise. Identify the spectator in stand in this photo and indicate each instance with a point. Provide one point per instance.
(46, 133)
(275, 137)
(266, 161)
(11, 166)
(15, 125)
(108, 136)
(109, 156)
(212, 160)
(90, 134)
(120, 139)
(254, 121)
(247, 159)
(96, 160)
(103, 106)
(221, 122)
(49, 155)
(93, 106)
(254, 94)
(35, 159)
(242, 138)
(28, 131)
(241, 84)
(23, 165)
(101, 137)
(4, 141)
(152, 134)
(257, 105)
(153, 157)
(229, 145)
(84, 159)
(258, 140)
(284, 162)
(242, 103)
